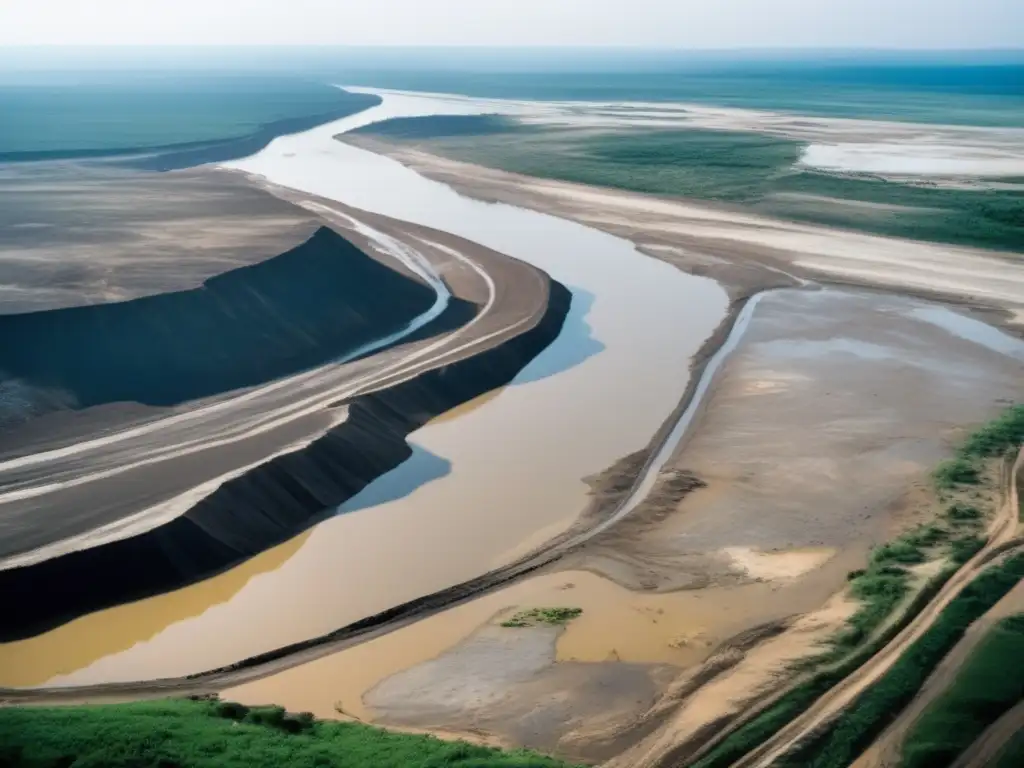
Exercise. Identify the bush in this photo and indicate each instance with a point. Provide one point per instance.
(999, 436)
(962, 513)
(202, 734)
(550, 616)
(962, 550)
(901, 551)
(232, 710)
(954, 472)
(926, 536)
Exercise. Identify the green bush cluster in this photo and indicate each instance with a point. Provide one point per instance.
(211, 734)
(959, 471)
(960, 513)
(551, 616)
(999, 436)
(996, 438)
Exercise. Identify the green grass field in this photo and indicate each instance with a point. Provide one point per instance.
(844, 739)
(210, 734)
(93, 118)
(988, 684)
(747, 169)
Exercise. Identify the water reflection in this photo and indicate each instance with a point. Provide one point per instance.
(421, 468)
(79, 643)
(579, 345)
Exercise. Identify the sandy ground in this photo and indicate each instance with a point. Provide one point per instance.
(742, 250)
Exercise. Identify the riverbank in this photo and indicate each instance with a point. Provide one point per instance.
(743, 251)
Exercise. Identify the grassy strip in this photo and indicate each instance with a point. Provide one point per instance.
(1012, 755)
(212, 734)
(844, 739)
(794, 703)
(989, 683)
(550, 616)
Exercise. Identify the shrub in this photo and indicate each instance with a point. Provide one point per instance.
(998, 436)
(550, 616)
(900, 551)
(962, 550)
(199, 734)
(232, 710)
(960, 512)
(954, 472)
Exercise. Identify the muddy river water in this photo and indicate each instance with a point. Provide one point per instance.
(486, 483)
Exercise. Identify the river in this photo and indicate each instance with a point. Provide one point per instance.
(485, 483)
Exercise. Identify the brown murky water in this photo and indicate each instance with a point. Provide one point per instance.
(486, 482)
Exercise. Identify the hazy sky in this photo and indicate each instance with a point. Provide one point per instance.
(661, 23)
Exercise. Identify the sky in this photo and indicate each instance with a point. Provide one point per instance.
(695, 24)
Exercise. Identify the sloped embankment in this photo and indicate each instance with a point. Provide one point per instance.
(271, 503)
(254, 324)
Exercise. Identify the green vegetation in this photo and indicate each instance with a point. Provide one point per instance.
(958, 471)
(1012, 755)
(211, 734)
(988, 684)
(998, 436)
(744, 168)
(962, 550)
(959, 513)
(535, 616)
(89, 117)
(883, 585)
(846, 737)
